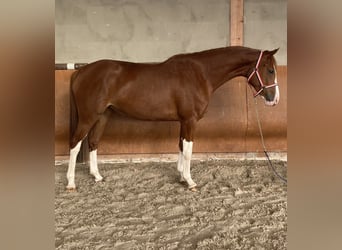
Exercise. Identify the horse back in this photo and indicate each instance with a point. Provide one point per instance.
(148, 91)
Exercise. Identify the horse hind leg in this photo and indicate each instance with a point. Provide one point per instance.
(72, 165)
(93, 140)
(75, 146)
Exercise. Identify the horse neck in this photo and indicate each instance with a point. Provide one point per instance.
(225, 64)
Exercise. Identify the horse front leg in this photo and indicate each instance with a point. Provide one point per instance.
(187, 153)
(184, 161)
(180, 163)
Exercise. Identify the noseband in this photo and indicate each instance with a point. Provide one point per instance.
(256, 71)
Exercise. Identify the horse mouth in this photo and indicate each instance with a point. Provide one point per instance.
(272, 103)
(275, 99)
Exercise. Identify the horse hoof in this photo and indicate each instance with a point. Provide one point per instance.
(71, 189)
(193, 188)
(100, 180)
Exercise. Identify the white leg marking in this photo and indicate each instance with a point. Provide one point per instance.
(276, 96)
(180, 166)
(277, 93)
(93, 166)
(187, 153)
(72, 164)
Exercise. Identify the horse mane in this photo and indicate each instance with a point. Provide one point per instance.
(215, 51)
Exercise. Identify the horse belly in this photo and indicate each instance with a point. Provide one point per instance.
(146, 106)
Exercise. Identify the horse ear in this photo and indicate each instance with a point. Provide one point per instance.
(272, 52)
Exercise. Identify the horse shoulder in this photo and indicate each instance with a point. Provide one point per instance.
(194, 89)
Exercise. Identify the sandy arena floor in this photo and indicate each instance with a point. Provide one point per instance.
(239, 205)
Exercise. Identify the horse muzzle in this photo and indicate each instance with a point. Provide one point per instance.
(275, 99)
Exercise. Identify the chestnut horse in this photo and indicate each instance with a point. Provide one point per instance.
(178, 89)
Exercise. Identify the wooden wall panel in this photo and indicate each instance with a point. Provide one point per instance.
(236, 22)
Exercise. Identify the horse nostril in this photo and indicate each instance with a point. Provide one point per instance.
(269, 97)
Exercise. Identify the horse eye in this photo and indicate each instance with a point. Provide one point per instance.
(271, 71)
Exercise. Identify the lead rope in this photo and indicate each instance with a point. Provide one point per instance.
(264, 147)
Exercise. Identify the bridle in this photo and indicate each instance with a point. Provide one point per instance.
(262, 87)
(256, 71)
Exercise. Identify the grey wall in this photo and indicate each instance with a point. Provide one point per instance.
(138, 30)
(153, 30)
(266, 26)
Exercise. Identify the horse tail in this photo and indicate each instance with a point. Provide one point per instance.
(83, 155)
(73, 109)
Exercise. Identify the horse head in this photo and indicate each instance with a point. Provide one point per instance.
(263, 78)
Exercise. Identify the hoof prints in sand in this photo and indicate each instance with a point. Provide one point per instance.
(239, 205)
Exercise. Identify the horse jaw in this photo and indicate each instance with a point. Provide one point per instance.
(275, 99)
